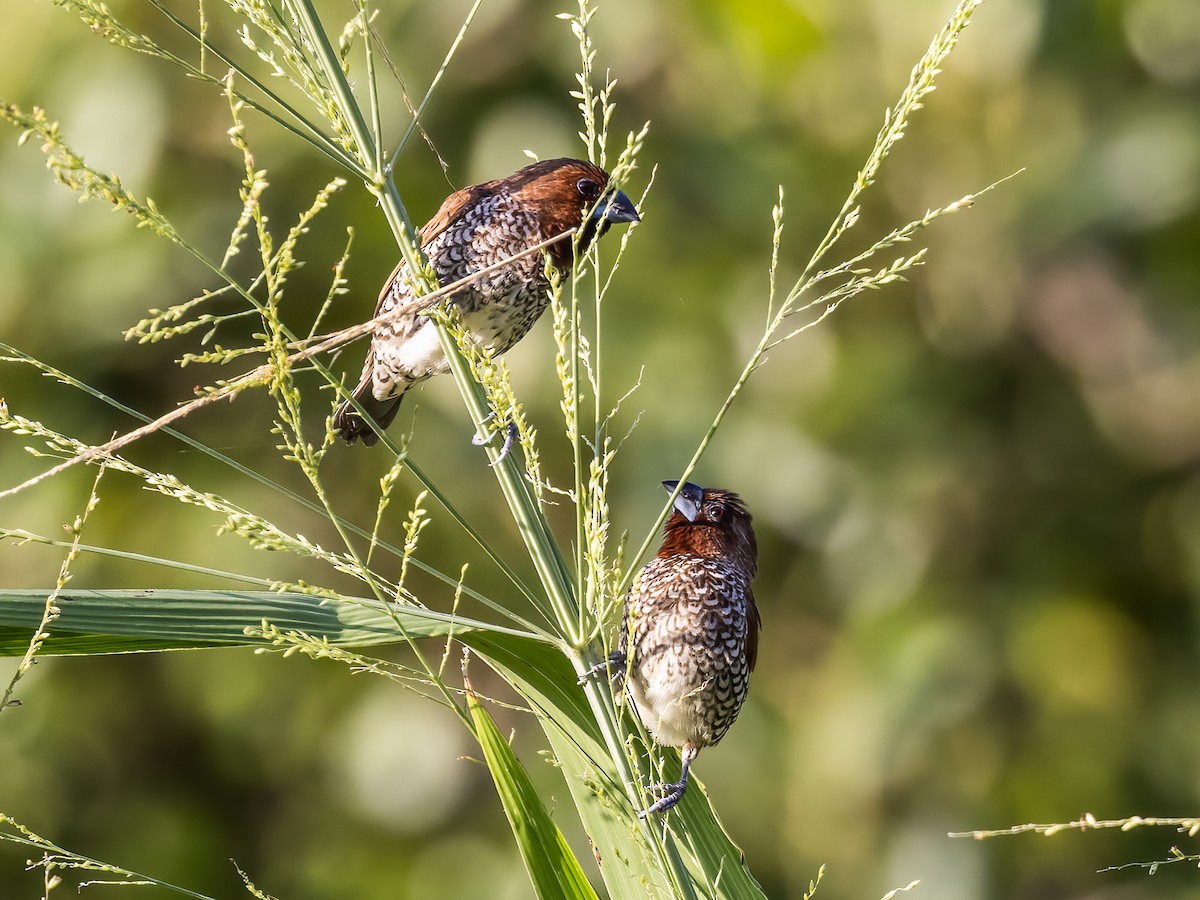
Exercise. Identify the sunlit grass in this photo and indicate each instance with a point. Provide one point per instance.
(605, 755)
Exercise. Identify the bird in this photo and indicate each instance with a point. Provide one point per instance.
(689, 639)
(477, 227)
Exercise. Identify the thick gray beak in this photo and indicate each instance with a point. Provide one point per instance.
(689, 499)
(616, 208)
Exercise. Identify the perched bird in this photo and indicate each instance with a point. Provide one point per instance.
(478, 227)
(690, 634)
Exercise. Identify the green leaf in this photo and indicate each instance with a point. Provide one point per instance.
(552, 866)
(96, 622)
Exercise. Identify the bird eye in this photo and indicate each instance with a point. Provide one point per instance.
(716, 511)
(588, 188)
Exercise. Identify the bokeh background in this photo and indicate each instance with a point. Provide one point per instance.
(977, 494)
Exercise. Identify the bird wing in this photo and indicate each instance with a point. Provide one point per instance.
(453, 207)
(753, 627)
(451, 210)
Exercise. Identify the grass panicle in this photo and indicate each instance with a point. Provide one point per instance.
(1088, 822)
(1187, 826)
(856, 278)
(52, 611)
(53, 859)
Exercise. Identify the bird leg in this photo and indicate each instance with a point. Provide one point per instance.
(510, 434)
(672, 791)
(615, 663)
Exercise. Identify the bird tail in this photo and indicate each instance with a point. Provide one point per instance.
(348, 422)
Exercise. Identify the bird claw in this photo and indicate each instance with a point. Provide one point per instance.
(672, 790)
(673, 793)
(614, 663)
(510, 435)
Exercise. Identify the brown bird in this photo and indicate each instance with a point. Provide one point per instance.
(690, 635)
(475, 228)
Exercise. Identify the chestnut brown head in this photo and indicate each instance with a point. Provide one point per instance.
(710, 522)
(566, 194)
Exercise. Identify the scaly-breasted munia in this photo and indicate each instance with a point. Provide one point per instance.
(478, 227)
(690, 635)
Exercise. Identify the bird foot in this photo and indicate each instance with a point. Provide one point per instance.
(672, 792)
(510, 435)
(614, 664)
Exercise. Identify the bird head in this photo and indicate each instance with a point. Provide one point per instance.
(710, 522)
(566, 194)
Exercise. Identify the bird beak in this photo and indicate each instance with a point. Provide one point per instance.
(689, 499)
(615, 209)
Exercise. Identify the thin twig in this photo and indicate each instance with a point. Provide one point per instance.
(263, 373)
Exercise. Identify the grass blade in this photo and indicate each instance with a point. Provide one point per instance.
(552, 866)
(94, 622)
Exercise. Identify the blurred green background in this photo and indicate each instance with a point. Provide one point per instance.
(977, 495)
